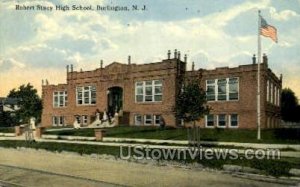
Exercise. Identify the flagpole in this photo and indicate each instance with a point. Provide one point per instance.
(258, 76)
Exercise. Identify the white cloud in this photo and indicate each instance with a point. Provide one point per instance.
(222, 18)
(10, 63)
(282, 15)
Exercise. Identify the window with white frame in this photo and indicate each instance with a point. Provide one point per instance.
(138, 120)
(86, 95)
(233, 120)
(139, 92)
(209, 120)
(233, 88)
(268, 87)
(54, 121)
(60, 98)
(210, 90)
(278, 97)
(222, 89)
(84, 119)
(58, 120)
(157, 119)
(275, 95)
(148, 91)
(157, 90)
(147, 119)
(78, 119)
(221, 120)
(61, 120)
(271, 93)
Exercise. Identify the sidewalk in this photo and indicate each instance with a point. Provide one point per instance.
(121, 172)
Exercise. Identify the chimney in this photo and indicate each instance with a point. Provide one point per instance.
(67, 68)
(175, 53)
(42, 82)
(129, 59)
(265, 59)
(169, 54)
(254, 59)
(101, 64)
(193, 66)
(179, 56)
(71, 67)
(280, 78)
(47, 83)
(185, 58)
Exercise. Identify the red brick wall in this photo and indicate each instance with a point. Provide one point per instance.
(171, 72)
(120, 75)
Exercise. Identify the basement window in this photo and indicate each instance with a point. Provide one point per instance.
(148, 119)
(222, 120)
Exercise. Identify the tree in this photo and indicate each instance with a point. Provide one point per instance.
(289, 106)
(191, 103)
(190, 107)
(29, 102)
(6, 119)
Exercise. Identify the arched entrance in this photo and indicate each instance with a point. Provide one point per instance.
(114, 100)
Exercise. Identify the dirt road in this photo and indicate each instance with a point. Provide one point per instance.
(107, 172)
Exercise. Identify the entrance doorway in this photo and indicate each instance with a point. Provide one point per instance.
(114, 100)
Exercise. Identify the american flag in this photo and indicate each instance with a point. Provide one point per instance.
(268, 30)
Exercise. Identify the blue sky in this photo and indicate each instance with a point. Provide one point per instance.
(37, 45)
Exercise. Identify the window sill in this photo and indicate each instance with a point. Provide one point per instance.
(210, 127)
(222, 101)
(85, 105)
(149, 102)
(222, 127)
(233, 127)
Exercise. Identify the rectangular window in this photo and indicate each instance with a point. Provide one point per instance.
(226, 89)
(58, 120)
(148, 91)
(148, 119)
(84, 119)
(222, 89)
(61, 120)
(55, 99)
(275, 94)
(157, 119)
(233, 121)
(209, 120)
(233, 88)
(139, 92)
(86, 95)
(271, 95)
(93, 95)
(268, 87)
(78, 119)
(54, 121)
(222, 120)
(79, 95)
(210, 90)
(138, 120)
(278, 97)
(60, 99)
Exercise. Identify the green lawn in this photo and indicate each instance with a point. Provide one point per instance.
(269, 167)
(7, 129)
(291, 136)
